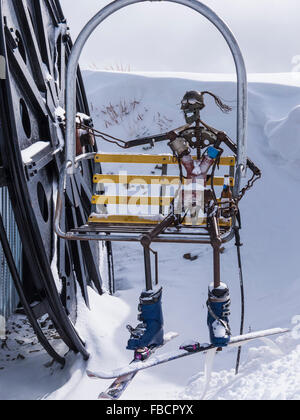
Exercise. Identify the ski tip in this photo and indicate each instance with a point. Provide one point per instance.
(104, 396)
(102, 375)
(91, 375)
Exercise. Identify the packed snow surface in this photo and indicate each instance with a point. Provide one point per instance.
(132, 105)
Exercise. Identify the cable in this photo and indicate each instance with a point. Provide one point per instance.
(104, 136)
(239, 245)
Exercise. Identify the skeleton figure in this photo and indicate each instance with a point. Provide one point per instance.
(207, 142)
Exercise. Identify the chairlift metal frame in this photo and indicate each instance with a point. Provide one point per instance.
(88, 233)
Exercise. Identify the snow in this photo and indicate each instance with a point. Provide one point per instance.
(33, 150)
(60, 113)
(82, 117)
(48, 76)
(270, 253)
(54, 263)
(24, 370)
(282, 134)
(264, 376)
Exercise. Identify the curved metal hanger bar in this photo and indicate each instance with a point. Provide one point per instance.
(242, 92)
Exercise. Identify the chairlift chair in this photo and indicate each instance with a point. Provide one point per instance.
(161, 227)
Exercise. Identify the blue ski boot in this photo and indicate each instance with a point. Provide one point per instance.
(218, 312)
(150, 332)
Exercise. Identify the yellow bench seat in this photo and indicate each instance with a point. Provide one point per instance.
(145, 220)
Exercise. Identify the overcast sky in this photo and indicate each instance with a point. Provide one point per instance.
(171, 37)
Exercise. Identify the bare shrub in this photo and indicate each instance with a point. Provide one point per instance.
(119, 68)
(115, 114)
(135, 118)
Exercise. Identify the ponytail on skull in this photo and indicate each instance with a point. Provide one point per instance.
(223, 107)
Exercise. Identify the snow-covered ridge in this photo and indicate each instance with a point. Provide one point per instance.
(284, 135)
(137, 104)
(286, 79)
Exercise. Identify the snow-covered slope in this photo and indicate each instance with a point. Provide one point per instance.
(129, 105)
(270, 234)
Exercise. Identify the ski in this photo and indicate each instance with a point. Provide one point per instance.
(195, 349)
(122, 382)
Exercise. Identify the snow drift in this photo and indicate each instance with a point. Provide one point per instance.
(284, 136)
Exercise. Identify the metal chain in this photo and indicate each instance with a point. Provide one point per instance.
(248, 187)
(234, 202)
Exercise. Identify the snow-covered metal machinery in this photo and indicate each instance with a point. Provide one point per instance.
(46, 272)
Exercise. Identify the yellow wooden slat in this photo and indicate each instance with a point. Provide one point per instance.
(132, 200)
(151, 159)
(122, 219)
(136, 179)
(203, 222)
(139, 220)
(123, 158)
(149, 180)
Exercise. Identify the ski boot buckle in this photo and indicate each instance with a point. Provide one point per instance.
(142, 354)
(191, 347)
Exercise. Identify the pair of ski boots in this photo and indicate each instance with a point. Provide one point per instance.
(149, 333)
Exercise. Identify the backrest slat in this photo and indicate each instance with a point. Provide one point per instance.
(150, 180)
(151, 159)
